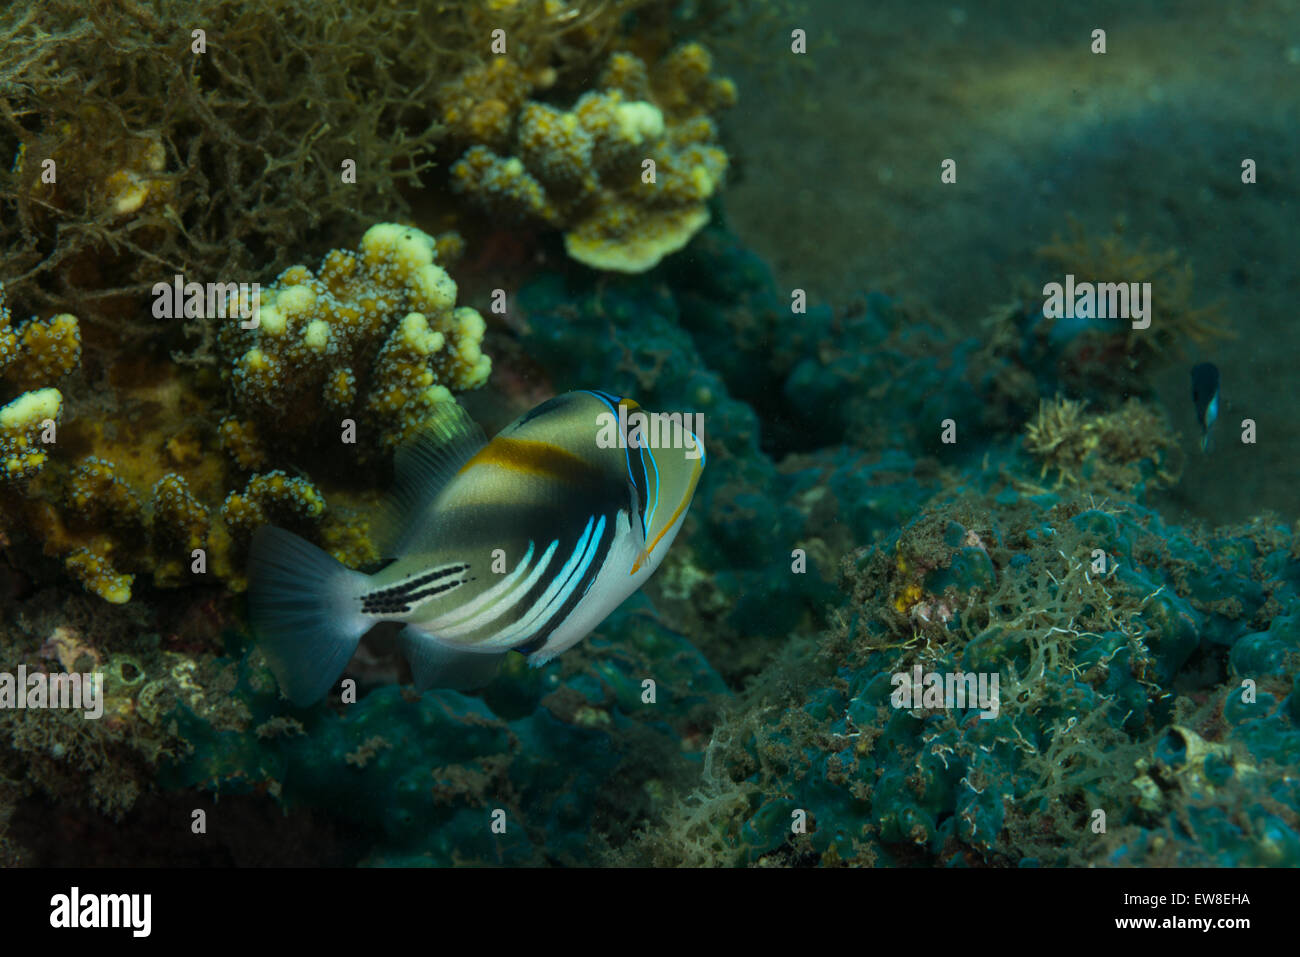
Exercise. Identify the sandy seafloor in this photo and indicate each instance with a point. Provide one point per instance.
(837, 179)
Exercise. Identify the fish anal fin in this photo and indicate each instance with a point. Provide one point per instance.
(434, 665)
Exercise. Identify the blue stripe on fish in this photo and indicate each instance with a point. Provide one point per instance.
(501, 599)
(647, 521)
(573, 595)
(559, 589)
(556, 487)
(610, 400)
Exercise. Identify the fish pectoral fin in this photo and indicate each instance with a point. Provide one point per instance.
(434, 665)
(540, 657)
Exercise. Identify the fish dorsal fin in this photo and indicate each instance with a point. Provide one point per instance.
(425, 466)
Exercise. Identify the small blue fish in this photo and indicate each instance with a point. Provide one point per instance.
(524, 543)
(1205, 396)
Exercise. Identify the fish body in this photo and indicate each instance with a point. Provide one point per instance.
(1205, 396)
(524, 543)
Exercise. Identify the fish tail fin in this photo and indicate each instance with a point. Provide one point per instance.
(303, 613)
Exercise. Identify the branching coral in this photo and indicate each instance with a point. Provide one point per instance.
(21, 423)
(180, 523)
(50, 348)
(136, 158)
(107, 533)
(625, 172)
(209, 160)
(479, 106)
(34, 356)
(215, 154)
(375, 337)
(269, 496)
(362, 351)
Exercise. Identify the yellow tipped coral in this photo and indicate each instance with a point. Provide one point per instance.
(502, 185)
(88, 514)
(480, 105)
(177, 514)
(626, 238)
(625, 173)
(37, 354)
(98, 495)
(341, 389)
(95, 571)
(22, 423)
(684, 85)
(8, 339)
(179, 525)
(557, 146)
(240, 441)
(617, 126)
(270, 496)
(52, 348)
(627, 73)
(376, 334)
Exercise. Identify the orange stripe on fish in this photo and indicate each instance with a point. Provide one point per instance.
(571, 508)
(677, 513)
(530, 457)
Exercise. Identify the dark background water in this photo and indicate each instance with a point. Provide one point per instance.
(1151, 134)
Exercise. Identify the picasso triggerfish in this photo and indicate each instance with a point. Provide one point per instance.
(524, 543)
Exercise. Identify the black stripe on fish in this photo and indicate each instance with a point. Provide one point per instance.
(576, 593)
(418, 581)
(547, 406)
(518, 608)
(435, 590)
(531, 645)
(523, 604)
(397, 599)
(389, 607)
